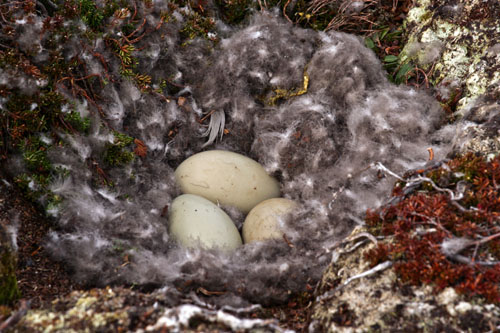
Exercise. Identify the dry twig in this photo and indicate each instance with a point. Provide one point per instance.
(16, 316)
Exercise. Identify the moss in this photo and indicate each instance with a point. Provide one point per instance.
(9, 291)
(35, 154)
(421, 222)
(44, 111)
(91, 14)
(75, 120)
(197, 25)
(34, 117)
(235, 11)
(88, 311)
(116, 154)
(32, 114)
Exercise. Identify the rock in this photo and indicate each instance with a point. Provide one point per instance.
(104, 310)
(227, 178)
(125, 310)
(263, 221)
(381, 303)
(479, 130)
(196, 221)
(9, 291)
(457, 44)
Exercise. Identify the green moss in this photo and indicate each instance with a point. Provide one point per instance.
(116, 154)
(9, 291)
(33, 117)
(78, 123)
(28, 116)
(33, 185)
(197, 26)
(56, 67)
(90, 14)
(31, 114)
(35, 155)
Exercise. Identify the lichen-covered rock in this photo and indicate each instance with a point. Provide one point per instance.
(125, 310)
(8, 282)
(380, 303)
(457, 44)
(103, 310)
(479, 130)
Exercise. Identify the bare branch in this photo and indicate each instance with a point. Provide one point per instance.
(380, 267)
(17, 316)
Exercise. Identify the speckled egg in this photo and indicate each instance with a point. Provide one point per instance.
(227, 178)
(196, 221)
(263, 221)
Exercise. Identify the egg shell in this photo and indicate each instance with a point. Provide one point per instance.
(263, 221)
(196, 221)
(227, 178)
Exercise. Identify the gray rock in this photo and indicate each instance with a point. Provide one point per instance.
(378, 303)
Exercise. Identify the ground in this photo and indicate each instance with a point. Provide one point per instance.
(57, 302)
(39, 278)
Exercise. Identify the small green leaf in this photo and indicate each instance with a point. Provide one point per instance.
(384, 32)
(390, 58)
(369, 43)
(402, 72)
(391, 36)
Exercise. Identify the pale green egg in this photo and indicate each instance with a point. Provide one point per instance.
(227, 178)
(195, 221)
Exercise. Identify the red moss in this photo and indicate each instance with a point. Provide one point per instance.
(421, 221)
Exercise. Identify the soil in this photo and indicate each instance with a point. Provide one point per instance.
(39, 278)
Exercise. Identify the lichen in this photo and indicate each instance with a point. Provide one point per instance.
(462, 55)
(381, 302)
(86, 311)
(283, 94)
(419, 14)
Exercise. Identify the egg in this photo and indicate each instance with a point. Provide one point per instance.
(195, 221)
(263, 221)
(227, 178)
